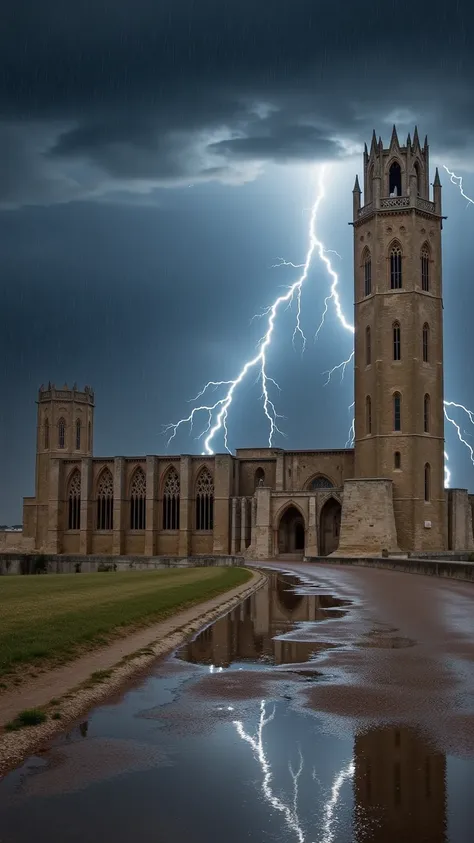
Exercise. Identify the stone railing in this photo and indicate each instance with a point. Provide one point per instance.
(393, 203)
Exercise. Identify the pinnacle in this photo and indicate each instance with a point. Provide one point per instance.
(357, 186)
(394, 138)
(437, 182)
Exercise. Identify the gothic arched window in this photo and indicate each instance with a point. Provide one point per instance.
(416, 168)
(74, 501)
(61, 433)
(205, 501)
(138, 500)
(395, 179)
(426, 413)
(89, 437)
(426, 343)
(367, 261)
(105, 501)
(78, 435)
(427, 482)
(397, 460)
(259, 477)
(368, 347)
(397, 348)
(396, 267)
(397, 411)
(46, 434)
(320, 482)
(368, 415)
(425, 269)
(171, 491)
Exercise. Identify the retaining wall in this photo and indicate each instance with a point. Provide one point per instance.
(451, 569)
(31, 563)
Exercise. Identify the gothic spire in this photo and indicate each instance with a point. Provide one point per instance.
(394, 138)
(437, 182)
(416, 139)
(357, 186)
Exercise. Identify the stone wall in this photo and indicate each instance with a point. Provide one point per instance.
(15, 542)
(30, 563)
(449, 569)
(368, 521)
(459, 520)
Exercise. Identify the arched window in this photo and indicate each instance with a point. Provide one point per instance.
(395, 268)
(320, 482)
(205, 501)
(397, 411)
(138, 500)
(61, 433)
(74, 501)
(397, 460)
(171, 500)
(427, 482)
(368, 415)
(397, 348)
(367, 261)
(395, 180)
(89, 437)
(259, 479)
(425, 269)
(46, 434)
(78, 435)
(368, 347)
(426, 343)
(426, 413)
(105, 501)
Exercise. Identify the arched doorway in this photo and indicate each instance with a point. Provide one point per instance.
(330, 527)
(291, 532)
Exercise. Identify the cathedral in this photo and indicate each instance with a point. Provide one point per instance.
(384, 495)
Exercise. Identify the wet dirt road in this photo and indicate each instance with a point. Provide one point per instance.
(335, 704)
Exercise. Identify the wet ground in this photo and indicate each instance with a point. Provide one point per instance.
(332, 705)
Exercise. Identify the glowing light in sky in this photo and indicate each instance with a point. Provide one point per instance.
(457, 180)
(216, 411)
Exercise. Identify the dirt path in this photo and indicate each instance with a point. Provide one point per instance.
(55, 684)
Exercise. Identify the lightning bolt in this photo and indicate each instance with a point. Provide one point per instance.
(217, 411)
(457, 180)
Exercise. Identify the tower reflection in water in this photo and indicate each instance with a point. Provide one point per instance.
(399, 788)
(248, 632)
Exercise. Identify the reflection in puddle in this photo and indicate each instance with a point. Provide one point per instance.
(252, 632)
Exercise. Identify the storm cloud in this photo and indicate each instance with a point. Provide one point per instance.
(131, 96)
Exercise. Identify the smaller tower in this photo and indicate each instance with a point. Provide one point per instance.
(65, 428)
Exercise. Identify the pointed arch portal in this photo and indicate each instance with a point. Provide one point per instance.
(291, 531)
(330, 527)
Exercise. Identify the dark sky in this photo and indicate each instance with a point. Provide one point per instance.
(158, 157)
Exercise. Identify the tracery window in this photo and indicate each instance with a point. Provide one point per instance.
(320, 482)
(138, 500)
(367, 274)
(368, 347)
(395, 180)
(105, 501)
(396, 268)
(46, 434)
(368, 415)
(61, 433)
(425, 270)
(171, 491)
(78, 435)
(74, 501)
(426, 343)
(397, 346)
(205, 501)
(397, 411)
(426, 413)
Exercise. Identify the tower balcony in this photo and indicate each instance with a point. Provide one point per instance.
(396, 203)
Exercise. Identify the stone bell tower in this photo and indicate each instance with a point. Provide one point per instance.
(399, 413)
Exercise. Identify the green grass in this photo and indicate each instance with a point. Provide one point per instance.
(28, 717)
(55, 617)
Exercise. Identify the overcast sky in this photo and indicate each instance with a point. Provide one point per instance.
(159, 157)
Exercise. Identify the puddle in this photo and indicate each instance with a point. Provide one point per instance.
(282, 623)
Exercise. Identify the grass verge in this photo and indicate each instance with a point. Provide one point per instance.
(52, 619)
(28, 717)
